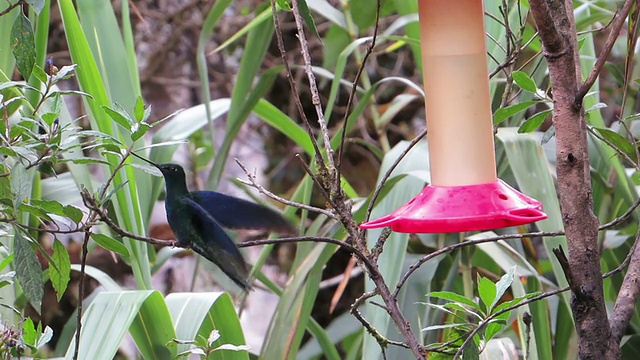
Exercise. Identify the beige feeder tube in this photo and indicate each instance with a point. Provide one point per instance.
(456, 83)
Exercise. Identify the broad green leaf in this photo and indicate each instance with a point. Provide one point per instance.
(618, 141)
(504, 113)
(524, 81)
(196, 314)
(60, 273)
(244, 95)
(139, 111)
(6, 261)
(502, 285)
(29, 332)
(119, 115)
(111, 315)
(35, 211)
(40, 74)
(492, 329)
(283, 123)
(28, 270)
(487, 292)
(284, 4)
(101, 277)
(329, 12)
(454, 297)
(127, 203)
(50, 206)
(534, 122)
(23, 45)
(110, 244)
(308, 19)
(215, 13)
(297, 301)
(21, 182)
(114, 60)
(63, 73)
(73, 213)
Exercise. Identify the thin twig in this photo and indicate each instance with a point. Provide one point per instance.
(345, 245)
(293, 85)
(387, 174)
(12, 6)
(315, 96)
(83, 263)
(354, 88)
(262, 190)
(380, 338)
(452, 247)
(628, 294)
(317, 182)
(616, 25)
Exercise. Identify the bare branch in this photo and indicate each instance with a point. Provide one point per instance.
(315, 96)
(625, 304)
(386, 176)
(262, 190)
(616, 25)
(354, 87)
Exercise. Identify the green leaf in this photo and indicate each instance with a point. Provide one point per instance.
(504, 113)
(111, 315)
(139, 110)
(35, 211)
(65, 72)
(23, 44)
(110, 244)
(29, 332)
(40, 74)
(548, 135)
(515, 301)
(54, 109)
(197, 315)
(492, 329)
(451, 296)
(618, 141)
(21, 182)
(50, 206)
(284, 4)
(471, 351)
(73, 213)
(502, 285)
(28, 271)
(524, 81)
(61, 272)
(6, 261)
(120, 116)
(308, 19)
(487, 291)
(534, 122)
(138, 130)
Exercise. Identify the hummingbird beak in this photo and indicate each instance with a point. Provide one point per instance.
(145, 160)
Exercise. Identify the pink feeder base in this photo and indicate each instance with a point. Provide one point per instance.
(442, 209)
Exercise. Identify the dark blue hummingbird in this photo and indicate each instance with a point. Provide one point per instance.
(197, 219)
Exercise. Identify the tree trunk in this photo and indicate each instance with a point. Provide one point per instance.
(556, 27)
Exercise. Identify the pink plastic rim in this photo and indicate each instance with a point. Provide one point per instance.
(443, 209)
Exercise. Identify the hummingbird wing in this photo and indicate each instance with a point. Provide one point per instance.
(216, 246)
(234, 213)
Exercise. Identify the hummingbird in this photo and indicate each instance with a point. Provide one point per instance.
(197, 219)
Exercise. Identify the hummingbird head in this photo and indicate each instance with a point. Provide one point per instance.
(174, 174)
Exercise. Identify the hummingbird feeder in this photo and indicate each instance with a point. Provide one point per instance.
(465, 193)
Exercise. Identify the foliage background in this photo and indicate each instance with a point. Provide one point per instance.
(181, 54)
